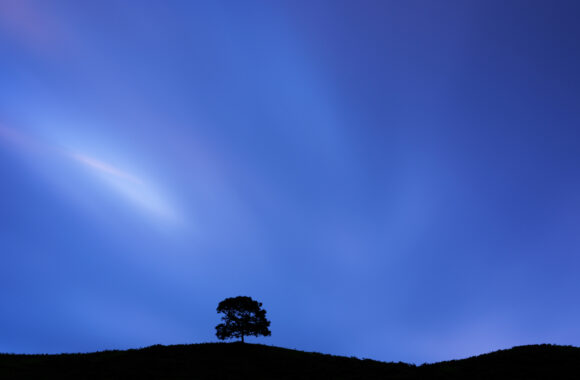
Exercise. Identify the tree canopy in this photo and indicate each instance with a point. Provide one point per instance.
(242, 317)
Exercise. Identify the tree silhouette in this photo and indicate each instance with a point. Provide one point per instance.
(243, 316)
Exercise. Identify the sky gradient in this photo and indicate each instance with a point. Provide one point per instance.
(397, 180)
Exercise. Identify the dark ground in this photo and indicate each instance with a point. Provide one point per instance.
(253, 361)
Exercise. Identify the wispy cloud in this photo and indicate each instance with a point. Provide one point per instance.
(131, 187)
(106, 168)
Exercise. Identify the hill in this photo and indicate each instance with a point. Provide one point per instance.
(524, 362)
(245, 361)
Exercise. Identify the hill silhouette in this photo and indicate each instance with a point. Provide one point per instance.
(254, 361)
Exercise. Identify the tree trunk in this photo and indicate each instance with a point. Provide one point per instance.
(242, 338)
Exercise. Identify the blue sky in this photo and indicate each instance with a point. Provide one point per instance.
(393, 180)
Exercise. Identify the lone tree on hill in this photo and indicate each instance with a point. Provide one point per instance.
(243, 316)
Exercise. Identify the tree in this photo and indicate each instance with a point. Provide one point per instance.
(243, 316)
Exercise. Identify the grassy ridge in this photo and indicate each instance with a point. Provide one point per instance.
(524, 362)
(253, 361)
